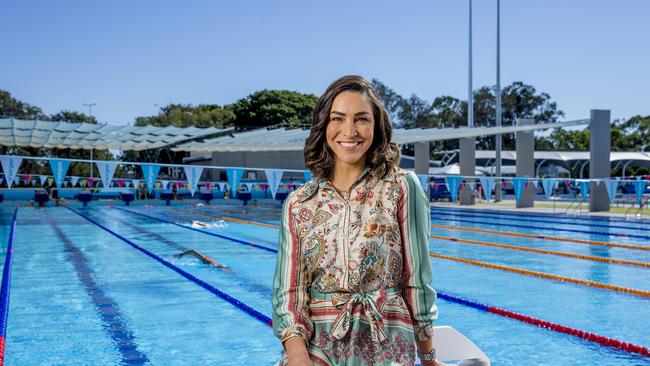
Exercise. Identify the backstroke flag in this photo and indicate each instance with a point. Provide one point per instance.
(518, 184)
(639, 187)
(150, 173)
(106, 171)
(611, 185)
(10, 165)
(453, 184)
(584, 188)
(234, 176)
(59, 168)
(488, 184)
(74, 180)
(549, 184)
(273, 176)
(193, 174)
(423, 182)
(307, 174)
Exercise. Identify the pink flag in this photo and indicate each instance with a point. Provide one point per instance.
(28, 178)
(179, 185)
(91, 181)
(264, 186)
(207, 185)
(436, 185)
(503, 185)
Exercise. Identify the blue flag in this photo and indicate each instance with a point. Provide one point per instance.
(488, 184)
(519, 184)
(150, 173)
(584, 188)
(234, 176)
(10, 165)
(59, 169)
(307, 175)
(611, 185)
(549, 185)
(639, 187)
(453, 185)
(423, 182)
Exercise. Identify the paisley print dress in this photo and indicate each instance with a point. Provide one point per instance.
(353, 274)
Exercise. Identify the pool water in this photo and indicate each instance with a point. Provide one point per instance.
(82, 296)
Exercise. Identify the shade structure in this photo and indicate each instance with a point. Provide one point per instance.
(282, 139)
(66, 135)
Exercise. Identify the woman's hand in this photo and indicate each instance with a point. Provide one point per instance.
(299, 361)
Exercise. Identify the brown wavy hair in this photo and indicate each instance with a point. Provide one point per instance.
(382, 156)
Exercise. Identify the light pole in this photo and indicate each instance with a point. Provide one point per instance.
(90, 113)
(497, 192)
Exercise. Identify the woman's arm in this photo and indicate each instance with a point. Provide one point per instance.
(291, 316)
(415, 224)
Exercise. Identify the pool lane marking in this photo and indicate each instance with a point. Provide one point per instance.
(629, 347)
(200, 231)
(549, 276)
(534, 236)
(107, 308)
(538, 274)
(520, 219)
(512, 247)
(539, 214)
(547, 228)
(225, 218)
(237, 303)
(592, 337)
(5, 287)
(544, 251)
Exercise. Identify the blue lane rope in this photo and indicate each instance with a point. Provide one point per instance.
(469, 213)
(201, 231)
(5, 287)
(239, 304)
(547, 215)
(541, 227)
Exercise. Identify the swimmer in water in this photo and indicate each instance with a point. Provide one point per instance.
(199, 223)
(203, 258)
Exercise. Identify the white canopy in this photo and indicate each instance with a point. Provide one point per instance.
(281, 139)
(66, 135)
(565, 155)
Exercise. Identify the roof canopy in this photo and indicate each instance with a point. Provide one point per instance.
(565, 155)
(66, 135)
(281, 139)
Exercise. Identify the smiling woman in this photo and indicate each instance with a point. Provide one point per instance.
(352, 278)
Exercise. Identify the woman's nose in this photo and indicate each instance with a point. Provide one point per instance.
(349, 128)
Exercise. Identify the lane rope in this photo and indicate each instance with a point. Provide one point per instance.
(5, 288)
(544, 251)
(535, 236)
(487, 223)
(470, 214)
(592, 337)
(588, 336)
(549, 276)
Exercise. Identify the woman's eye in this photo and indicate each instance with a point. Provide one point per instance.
(337, 119)
(362, 120)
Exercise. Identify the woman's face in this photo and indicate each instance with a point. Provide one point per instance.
(350, 129)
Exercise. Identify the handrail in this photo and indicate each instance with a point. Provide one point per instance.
(5, 288)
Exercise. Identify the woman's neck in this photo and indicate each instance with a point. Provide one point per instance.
(343, 175)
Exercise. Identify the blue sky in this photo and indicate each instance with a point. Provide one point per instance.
(129, 56)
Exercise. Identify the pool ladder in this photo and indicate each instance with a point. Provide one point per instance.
(575, 206)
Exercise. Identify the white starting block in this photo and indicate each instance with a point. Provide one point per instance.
(453, 348)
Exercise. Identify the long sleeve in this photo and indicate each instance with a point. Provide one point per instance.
(415, 224)
(291, 315)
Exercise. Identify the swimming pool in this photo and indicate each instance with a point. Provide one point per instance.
(81, 295)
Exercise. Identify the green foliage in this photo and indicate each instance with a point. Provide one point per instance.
(185, 115)
(75, 117)
(271, 107)
(11, 107)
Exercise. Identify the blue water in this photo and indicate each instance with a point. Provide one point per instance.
(81, 296)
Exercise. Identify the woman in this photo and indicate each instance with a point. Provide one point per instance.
(351, 284)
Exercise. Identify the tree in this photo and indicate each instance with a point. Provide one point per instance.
(186, 115)
(271, 107)
(11, 107)
(75, 117)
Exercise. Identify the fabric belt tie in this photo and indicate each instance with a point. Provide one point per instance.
(369, 302)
